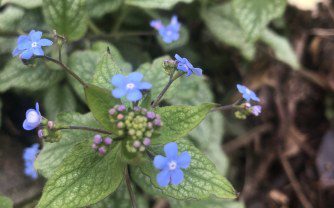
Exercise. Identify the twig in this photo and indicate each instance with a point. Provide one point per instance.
(128, 185)
(294, 182)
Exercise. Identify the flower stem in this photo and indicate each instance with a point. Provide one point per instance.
(128, 185)
(67, 69)
(227, 107)
(85, 128)
(162, 93)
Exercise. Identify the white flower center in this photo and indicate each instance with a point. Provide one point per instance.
(130, 86)
(33, 117)
(172, 165)
(34, 44)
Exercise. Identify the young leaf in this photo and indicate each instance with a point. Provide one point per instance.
(19, 76)
(156, 4)
(67, 17)
(155, 74)
(99, 101)
(59, 99)
(53, 154)
(83, 178)
(223, 26)
(10, 18)
(178, 121)
(6, 202)
(105, 69)
(201, 179)
(254, 16)
(282, 48)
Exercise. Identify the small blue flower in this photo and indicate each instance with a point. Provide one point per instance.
(247, 93)
(29, 45)
(256, 110)
(184, 65)
(33, 118)
(171, 165)
(170, 32)
(129, 86)
(29, 156)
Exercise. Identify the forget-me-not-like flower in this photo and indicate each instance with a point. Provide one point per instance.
(170, 32)
(256, 110)
(170, 166)
(29, 45)
(247, 94)
(184, 65)
(29, 156)
(129, 86)
(33, 118)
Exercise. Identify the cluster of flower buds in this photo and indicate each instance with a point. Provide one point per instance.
(136, 126)
(47, 131)
(247, 109)
(100, 144)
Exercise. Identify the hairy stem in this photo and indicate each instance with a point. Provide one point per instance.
(128, 185)
(162, 93)
(67, 69)
(227, 107)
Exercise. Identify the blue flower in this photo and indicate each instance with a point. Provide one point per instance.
(247, 93)
(29, 156)
(256, 110)
(129, 86)
(170, 32)
(33, 118)
(29, 45)
(184, 65)
(171, 165)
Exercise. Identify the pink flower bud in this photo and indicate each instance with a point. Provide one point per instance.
(120, 116)
(150, 115)
(51, 124)
(112, 111)
(121, 108)
(97, 139)
(102, 151)
(147, 141)
(40, 133)
(94, 146)
(136, 144)
(107, 141)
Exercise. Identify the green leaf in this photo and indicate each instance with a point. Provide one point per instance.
(53, 154)
(67, 17)
(224, 27)
(83, 178)
(183, 40)
(178, 121)
(25, 4)
(102, 7)
(6, 202)
(254, 16)
(83, 63)
(59, 99)
(192, 91)
(201, 179)
(156, 4)
(19, 76)
(281, 47)
(10, 18)
(155, 74)
(102, 46)
(99, 101)
(105, 69)
(208, 203)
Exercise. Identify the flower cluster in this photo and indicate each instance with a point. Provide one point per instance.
(247, 107)
(29, 156)
(169, 33)
(100, 144)
(184, 65)
(170, 166)
(129, 86)
(137, 126)
(29, 45)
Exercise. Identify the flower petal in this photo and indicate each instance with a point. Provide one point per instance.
(38, 51)
(171, 150)
(27, 126)
(177, 176)
(45, 42)
(163, 178)
(241, 88)
(183, 161)
(197, 71)
(119, 92)
(35, 35)
(156, 24)
(37, 108)
(179, 58)
(119, 80)
(135, 77)
(160, 162)
(26, 54)
(134, 95)
(145, 86)
(16, 52)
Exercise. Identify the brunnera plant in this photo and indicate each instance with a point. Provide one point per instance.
(127, 135)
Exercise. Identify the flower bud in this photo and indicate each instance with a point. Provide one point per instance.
(147, 141)
(136, 144)
(150, 115)
(102, 151)
(94, 146)
(51, 124)
(112, 111)
(97, 139)
(107, 141)
(40, 133)
(121, 108)
(120, 116)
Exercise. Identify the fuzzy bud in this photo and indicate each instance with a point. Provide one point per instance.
(40, 133)
(136, 144)
(120, 116)
(107, 141)
(102, 151)
(150, 115)
(97, 139)
(147, 141)
(112, 111)
(121, 108)
(51, 124)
